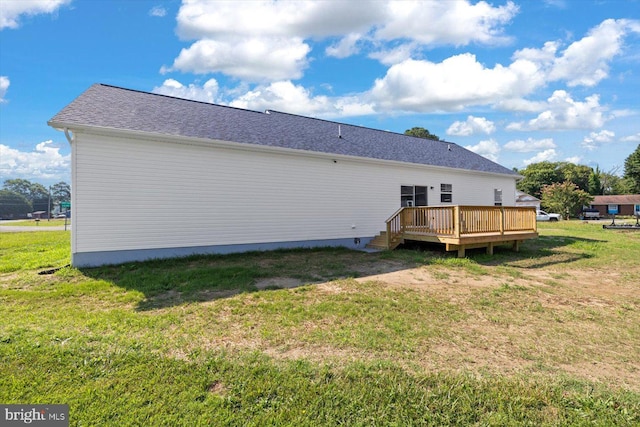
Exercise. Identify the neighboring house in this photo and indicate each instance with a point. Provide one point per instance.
(626, 204)
(155, 176)
(524, 199)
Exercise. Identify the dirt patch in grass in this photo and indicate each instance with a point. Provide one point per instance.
(542, 322)
(278, 283)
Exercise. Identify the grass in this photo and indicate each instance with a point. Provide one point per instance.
(41, 223)
(547, 336)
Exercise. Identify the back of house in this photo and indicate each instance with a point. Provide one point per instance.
(155, 176)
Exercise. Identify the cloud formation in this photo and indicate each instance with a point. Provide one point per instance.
(158, 12)
(530, 145)
(266, 40)
(4, 86)
(208, 92)
(488, 148)
(473, 125)
(12, 11)
(595, 139)
(562, 113)
(45, 162)
(543, 156)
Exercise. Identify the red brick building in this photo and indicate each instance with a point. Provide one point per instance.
(625, 204)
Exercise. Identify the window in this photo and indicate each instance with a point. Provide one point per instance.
(413, 195)
(636, 210)
(497, 197)
(612, 209)
(446, 193)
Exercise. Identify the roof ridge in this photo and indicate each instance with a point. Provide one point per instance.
(178, 98)
(269, 111)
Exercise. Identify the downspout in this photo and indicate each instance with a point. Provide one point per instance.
(70, 138)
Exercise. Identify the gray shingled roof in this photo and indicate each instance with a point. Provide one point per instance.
(113, 107)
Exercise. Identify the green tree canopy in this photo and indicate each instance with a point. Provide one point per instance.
(13, 205)
(30, 190)
(565, 197)
(595, 183)
(537, 175)
(632, 170)
(60, 192)
(421, 133)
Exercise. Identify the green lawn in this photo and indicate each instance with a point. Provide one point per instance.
(547, 336)
(33, 223)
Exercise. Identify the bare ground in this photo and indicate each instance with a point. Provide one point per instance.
(567, 321)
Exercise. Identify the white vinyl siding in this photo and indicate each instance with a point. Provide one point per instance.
(142, 194)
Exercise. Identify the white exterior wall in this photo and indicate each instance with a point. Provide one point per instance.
(137, 194)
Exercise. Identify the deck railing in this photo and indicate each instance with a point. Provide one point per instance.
(459, 221)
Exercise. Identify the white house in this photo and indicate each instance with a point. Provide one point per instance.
(155, 176)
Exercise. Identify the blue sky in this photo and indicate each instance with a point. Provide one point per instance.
(515, 81)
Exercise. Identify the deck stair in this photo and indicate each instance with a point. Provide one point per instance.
(380, 242)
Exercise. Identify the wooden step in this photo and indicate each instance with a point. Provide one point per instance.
(379, 241)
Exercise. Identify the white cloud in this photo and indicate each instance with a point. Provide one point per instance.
(446, 22)
(208, 92)
(631, 138)
(4, 86)
(45, 162)
(347, 46)
(522, 146)
(158, 11)
(452, 84)
(488, 148)
(394, 55)
(576, 160)
(564, 113)
(585, 62)
(269, 40)
(12, 10)
(520, 105)
(253, 59)
(594, 139)
(286, 97)
(279, 96)
(543, 156)
(472, 126)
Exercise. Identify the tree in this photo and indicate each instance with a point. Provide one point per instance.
(632, 170)
(13, 205)
(595, 184)
(28, 189)
(60, 192)
(578, 174)
(419, 132)
(565, 197)
(537, 175)
(36, 194)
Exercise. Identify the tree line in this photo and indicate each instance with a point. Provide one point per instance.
(565, 187)
(18, 197)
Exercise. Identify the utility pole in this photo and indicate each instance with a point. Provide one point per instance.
(49, 206)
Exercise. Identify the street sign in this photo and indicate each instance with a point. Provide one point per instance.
(65, 205)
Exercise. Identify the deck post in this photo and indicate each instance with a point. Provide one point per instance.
(456, 224)
(516, 246)
(388, 235)
(490, 248)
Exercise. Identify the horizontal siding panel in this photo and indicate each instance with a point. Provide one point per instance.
(138, 194)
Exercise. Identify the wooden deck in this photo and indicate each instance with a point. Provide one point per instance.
(461, 227)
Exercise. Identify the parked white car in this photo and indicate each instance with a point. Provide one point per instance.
(543, 216)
